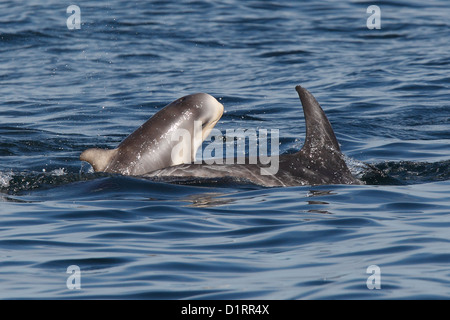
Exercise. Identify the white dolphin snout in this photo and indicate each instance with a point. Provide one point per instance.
(215, 112)
(206, 112)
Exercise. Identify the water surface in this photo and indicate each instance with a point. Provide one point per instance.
(386, 93)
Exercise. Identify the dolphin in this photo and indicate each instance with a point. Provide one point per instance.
(152, 146)
(318, 162)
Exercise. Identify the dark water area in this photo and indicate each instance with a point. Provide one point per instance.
(385, 91)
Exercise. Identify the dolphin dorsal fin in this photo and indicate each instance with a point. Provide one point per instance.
(319, 133)
(98, 158)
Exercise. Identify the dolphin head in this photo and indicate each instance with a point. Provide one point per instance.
(197, 115)
(200, 107)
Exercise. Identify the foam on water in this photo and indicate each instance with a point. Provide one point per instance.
(5, 178)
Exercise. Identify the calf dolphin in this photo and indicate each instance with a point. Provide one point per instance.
(151, 146)
(319, 161)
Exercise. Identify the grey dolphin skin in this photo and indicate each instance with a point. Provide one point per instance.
(151, 146)
(319, 161)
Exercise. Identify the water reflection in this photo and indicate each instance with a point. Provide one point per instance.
(318, 193)
(207, 200)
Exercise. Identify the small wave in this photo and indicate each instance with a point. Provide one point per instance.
(58, 172)
(357, 168)
(402, 172)
(369, 173)
(18, 182)
(416, 172)
(399, 173)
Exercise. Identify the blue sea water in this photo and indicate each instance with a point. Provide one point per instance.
(386, 92)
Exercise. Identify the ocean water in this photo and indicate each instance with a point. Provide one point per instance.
(386, 92)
